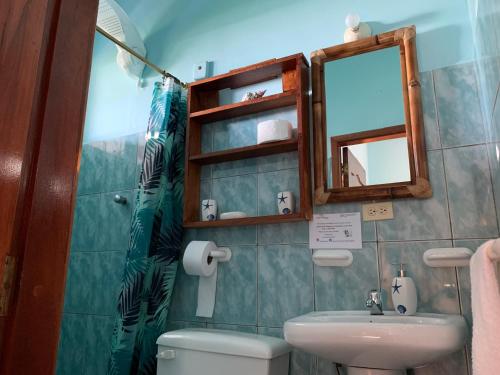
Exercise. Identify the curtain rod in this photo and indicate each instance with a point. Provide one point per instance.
(155, 67)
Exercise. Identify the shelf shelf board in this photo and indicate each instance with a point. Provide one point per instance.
(245, 152)
(270, 219)
(248, 107)
(249, 75)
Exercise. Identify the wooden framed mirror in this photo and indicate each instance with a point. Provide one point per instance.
(368, 121)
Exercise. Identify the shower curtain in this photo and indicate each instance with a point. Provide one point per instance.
(155, 238)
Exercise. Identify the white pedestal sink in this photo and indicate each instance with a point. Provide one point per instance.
(377, 344)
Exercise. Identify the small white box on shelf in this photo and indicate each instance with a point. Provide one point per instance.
(273, 131)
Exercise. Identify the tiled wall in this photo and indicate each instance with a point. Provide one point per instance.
(98, 248)
(271, 277)
(485, 21)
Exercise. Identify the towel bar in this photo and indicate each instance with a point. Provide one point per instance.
(448, 257)
(456, 256)
(332, 258)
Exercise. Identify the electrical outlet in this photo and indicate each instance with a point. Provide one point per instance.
(378, 211)
(200, 70)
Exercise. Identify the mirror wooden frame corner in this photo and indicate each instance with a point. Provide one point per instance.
(419, 186)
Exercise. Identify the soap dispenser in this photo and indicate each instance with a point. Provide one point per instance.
(404, 293)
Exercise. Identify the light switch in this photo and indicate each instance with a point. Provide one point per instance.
(378, 211)
(200, 70)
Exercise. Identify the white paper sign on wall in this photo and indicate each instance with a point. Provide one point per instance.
(335, 231)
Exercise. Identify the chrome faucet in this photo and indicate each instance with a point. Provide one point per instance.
(374, 302)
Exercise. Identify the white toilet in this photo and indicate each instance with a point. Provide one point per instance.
(218, 352)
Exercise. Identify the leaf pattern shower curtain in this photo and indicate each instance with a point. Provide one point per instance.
(155, 239)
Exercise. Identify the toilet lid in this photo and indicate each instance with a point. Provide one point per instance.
(225, 342)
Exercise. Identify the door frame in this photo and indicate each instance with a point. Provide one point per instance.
(45, 55)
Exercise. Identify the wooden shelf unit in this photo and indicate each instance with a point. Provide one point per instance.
(204, 107)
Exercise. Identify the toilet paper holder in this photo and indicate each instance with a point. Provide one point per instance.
(222, 254)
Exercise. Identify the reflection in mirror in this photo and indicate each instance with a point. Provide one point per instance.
(374, 163)
(365, 117)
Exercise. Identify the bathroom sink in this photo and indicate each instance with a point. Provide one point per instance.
(390, 341)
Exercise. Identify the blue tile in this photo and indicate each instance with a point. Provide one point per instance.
(71, 356)
(108, 269)
(494, 158)
(206, 146)
(459, 109)
(207, 138)
(78, 294)
(432, 138)
(454, 364)
(86, 223)
(470, 194)
(109, 165)
(93, 283)
(233, 327)
(92, 171)
(234, 168)
(301, 363)
(175, 325)
(325, 367)
(271, 183)
(234, 133)
(115, 220)
(367, 227)
(489, 74)
(141, 146)
(284, 233)
(246, 235)
(278, 162)
(205, 172)
(346, 288)
(184, 298)
(494, 134)
(120, 163)
(97, 342)
(236, 297)
(85, 344)
(421, 219)
(237, 193)
(285, 286)
(437, 290)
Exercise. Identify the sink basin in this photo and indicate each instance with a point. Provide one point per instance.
(390, 341)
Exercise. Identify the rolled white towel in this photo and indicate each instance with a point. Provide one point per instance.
(485, 312)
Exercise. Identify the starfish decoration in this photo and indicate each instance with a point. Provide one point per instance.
(207, 205)
(282, 198)
(396, 287)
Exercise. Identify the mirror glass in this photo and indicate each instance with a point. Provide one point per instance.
(365, 120)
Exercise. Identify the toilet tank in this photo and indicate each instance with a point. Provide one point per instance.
(219, 352)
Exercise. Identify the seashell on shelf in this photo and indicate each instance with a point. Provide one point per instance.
(253, 95)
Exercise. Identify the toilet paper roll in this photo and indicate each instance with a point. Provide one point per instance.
(197, 262)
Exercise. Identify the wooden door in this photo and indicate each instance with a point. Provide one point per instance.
(355, 171)
(45, 57)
